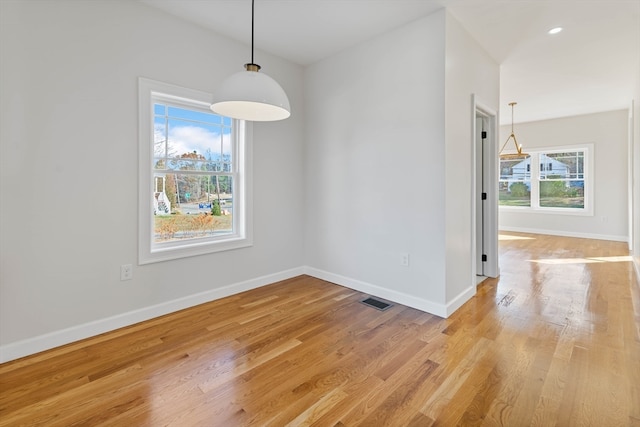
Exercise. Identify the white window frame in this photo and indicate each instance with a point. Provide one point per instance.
(242, 236)
(589, 181)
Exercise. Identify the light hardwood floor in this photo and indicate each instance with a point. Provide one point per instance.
(554, 341)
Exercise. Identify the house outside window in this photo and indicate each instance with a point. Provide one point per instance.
(194, 176)
(556, 180)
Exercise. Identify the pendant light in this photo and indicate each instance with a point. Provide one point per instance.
(251, 95)
(519, 154)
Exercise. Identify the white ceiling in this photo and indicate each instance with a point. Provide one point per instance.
(588, 67)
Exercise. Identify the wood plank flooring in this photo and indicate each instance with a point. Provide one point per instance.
(555, 341)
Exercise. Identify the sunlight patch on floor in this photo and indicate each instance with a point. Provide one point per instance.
(508, 237)
(582, 260)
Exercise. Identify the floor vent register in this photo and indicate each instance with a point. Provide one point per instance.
(377, 304)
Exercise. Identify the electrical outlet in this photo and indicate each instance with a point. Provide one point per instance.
(404, 259)
(126, 272)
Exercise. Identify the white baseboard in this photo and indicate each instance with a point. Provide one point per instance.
(75, 333)
(566, 233)
(459, 300)
(438, 309)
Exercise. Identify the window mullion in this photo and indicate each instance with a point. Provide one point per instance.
(535, 180)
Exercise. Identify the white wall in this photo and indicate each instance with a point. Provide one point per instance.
(636, 175)
(382, 179)
(469, 70)
(608, 132)
(375, 164)
(68, 141)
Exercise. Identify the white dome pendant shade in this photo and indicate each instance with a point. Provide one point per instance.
(250, 95)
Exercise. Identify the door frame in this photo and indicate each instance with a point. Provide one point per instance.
(490, 177)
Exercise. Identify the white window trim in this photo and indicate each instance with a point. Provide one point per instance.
(589, 181)
(243, 219)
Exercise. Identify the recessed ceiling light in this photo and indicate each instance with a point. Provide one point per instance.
(555, 30)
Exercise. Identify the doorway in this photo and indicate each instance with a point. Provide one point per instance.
(485, 192)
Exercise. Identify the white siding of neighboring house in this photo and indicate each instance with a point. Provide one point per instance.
(521, 172)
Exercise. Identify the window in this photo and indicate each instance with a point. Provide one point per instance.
(515, 182)
(194, 176)
(556, 180)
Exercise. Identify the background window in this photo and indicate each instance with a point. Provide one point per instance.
(515, 182)
(562, 184)
(554, 180)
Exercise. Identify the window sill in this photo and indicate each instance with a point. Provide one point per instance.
(193, 249)
(547, 211)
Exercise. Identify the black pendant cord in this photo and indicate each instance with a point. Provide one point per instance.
(253, 2)
(251, 66)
